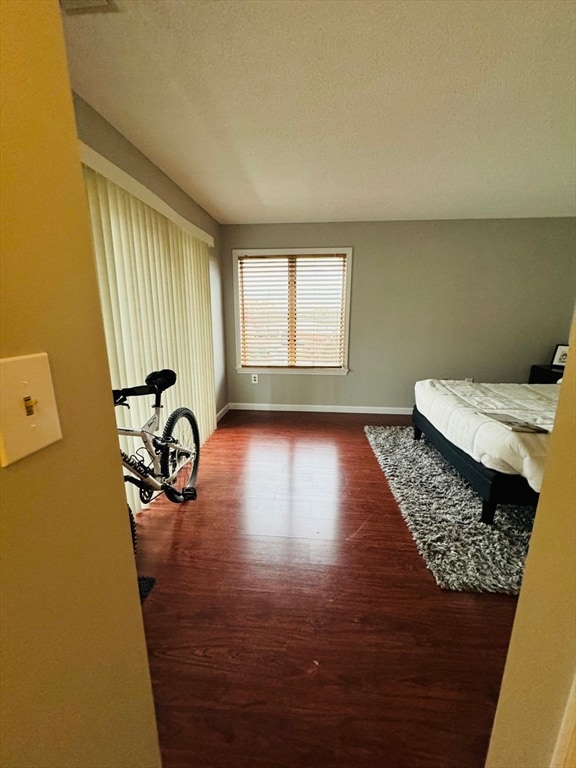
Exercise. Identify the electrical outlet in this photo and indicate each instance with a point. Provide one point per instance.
(469, 378)
(254, 378)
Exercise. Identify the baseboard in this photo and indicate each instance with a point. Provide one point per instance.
(222, 412)
(385, 409)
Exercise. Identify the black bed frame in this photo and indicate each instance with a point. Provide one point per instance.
(494, 487)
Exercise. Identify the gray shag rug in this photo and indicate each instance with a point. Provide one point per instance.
(443, 512)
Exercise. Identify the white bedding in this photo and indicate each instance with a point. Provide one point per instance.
(453, 408)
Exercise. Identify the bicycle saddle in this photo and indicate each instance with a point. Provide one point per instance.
(161, 380)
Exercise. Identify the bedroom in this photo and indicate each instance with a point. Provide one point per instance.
(389, 294)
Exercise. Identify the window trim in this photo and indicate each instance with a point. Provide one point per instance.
(293, 370)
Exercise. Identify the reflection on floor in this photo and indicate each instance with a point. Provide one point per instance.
(300, 481)
(293, 622)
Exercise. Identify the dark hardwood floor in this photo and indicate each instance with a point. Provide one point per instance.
(293, 622)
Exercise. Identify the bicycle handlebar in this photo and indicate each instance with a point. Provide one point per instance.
(156, 383)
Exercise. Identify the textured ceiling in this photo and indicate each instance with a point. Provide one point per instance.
(338, 110)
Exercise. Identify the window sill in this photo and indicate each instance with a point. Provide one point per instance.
(296, 371)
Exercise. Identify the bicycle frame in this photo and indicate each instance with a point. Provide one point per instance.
(146, 434)
(153, 478)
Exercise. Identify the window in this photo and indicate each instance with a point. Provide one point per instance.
(292, 309)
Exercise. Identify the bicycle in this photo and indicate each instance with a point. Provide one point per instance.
(166, 463)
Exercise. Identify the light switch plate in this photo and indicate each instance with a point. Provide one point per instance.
(28, 415)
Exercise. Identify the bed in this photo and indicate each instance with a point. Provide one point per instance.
(503, 465)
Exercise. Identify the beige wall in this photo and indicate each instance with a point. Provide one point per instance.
(103, 138)
(75, 687)
(541, 660)
(447, 299)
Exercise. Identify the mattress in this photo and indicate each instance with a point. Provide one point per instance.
(458, 410)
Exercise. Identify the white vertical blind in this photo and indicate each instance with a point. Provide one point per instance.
(154, 286)
(292, 310)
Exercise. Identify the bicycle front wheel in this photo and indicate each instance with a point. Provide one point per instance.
(179, 460)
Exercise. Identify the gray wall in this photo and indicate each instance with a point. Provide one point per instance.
(430, 299)
(103, 138)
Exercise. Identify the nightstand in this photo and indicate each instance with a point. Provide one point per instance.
(545, 374)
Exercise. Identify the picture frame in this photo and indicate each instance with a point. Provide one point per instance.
(560, 355)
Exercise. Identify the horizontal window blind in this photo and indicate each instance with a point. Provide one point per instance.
(154, 287)
(292, 310)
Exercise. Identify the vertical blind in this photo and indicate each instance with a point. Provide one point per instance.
(154, 287)
(292, 310)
